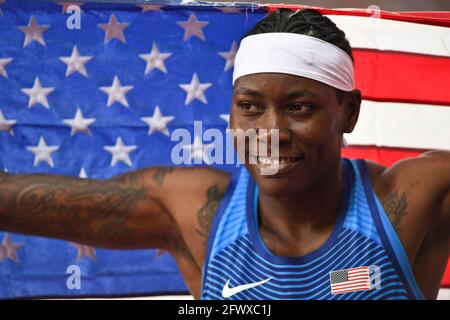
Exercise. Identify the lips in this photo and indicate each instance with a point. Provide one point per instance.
(276, 165)
(275, 162)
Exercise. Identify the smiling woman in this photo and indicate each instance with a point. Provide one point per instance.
(299, 90)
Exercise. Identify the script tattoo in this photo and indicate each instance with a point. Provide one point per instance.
(396, 207)
(206, 213)
(91, 211)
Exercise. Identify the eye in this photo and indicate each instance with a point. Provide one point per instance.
(250, 107)
(300, 108)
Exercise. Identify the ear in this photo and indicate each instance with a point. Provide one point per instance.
(352, 105)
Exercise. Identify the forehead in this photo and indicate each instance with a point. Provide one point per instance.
(281, 85)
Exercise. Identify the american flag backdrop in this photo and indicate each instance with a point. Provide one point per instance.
(102, 99)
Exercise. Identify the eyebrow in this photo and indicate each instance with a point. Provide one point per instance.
(248, 92)
(291, 95)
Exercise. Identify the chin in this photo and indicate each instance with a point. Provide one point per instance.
(278, 185)
(274, 188)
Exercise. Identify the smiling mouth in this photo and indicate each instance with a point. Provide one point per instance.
(274, 162)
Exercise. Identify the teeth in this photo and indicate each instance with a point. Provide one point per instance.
(275, 162)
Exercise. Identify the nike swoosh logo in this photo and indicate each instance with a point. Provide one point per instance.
(228, 292)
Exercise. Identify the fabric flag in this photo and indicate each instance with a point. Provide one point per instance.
(100, 98)
(350, 280)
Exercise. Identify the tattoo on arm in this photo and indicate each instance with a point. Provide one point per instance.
(84, 210)
(206, 213)
(396, 207)
(161, 173)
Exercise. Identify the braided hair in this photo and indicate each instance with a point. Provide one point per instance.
(308, 22)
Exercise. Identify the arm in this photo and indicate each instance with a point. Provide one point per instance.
(426, 179)
(123, 212)
(439, 163)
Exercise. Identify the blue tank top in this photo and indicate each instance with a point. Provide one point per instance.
(362, 258)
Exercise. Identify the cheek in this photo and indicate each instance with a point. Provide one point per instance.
(238, 122)
(316, 131)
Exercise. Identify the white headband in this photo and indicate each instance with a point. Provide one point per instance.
(295, 54)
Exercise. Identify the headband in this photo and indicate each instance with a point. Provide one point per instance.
(295, 54)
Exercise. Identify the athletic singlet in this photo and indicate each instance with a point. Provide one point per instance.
(362, 258)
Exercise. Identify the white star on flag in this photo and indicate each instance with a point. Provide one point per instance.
(155, 59)
(38, 94)
(33, 32)
(229, 56)
(157, 122)
(84, 251)
(82, 174)
(116, 92)
(113, 29)
(42, 152)
(198, 152)
(120, 152)
(76, 62)
(6, 125)
(193, 27)
(150, 7)
(226, 117)
(3, 63)
(66, 5)
(79, 123)
(8, 248)
(195, 90)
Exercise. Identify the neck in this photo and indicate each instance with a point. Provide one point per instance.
(315, 208)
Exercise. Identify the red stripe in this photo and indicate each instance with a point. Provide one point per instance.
(350, 290)
(430, 14)
(446, 279)
(352, 284)
(402, 77)
(358, 272)
(358, 278)
(383, 155)
(399, 16)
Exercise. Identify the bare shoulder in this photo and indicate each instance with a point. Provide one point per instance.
(191, 195)
(415, 193)
(426, 179)
(189, 183)
(431, 166)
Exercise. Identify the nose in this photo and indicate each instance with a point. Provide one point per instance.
(275, 121)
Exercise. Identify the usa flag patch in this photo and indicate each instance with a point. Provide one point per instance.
(351, 280)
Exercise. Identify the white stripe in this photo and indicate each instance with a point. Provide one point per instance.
(384, 34)
(404, 125)
(444, 294)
